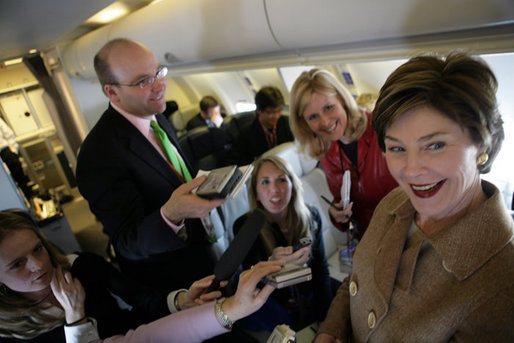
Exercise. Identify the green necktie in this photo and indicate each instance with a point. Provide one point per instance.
(176, 161)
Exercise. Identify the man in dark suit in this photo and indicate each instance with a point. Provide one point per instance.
(209, 115)
(268, 129)
(145, 205)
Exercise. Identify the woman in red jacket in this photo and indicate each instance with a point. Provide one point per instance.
(329, 125)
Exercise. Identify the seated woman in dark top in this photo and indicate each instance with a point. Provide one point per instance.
(32, 300)
(275, 189)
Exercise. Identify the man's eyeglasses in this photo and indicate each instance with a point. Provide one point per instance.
(147, 81)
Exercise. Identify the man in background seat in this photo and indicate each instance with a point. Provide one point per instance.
(269, 129)
(209, 115)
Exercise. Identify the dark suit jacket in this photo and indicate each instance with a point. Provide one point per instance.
(198, 120)
(126, 181)
(251, 142)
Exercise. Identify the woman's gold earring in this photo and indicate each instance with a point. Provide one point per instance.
(482, 159)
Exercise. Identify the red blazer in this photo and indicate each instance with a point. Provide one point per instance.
(372, 182)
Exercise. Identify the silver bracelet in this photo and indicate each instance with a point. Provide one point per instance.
(222, 316)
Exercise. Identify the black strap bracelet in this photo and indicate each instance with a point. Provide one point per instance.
(77, 321)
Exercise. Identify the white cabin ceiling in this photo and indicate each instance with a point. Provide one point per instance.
(224, 34)
(40, 24)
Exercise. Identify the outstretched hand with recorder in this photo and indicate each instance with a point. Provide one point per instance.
(183, 203)
(249, 297)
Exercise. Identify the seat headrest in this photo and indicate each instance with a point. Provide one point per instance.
(301, 163)
(180, 118)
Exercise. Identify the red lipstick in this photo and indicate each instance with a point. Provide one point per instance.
(429, 192)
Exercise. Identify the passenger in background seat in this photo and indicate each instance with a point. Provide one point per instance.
(327, 123)
(209, 115)
(275, 189)
(270, 128)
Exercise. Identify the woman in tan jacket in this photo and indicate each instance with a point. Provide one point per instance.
(437, 261)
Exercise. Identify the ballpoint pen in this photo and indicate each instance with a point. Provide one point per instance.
(331, 204)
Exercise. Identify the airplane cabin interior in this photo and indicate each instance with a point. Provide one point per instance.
(228, 49)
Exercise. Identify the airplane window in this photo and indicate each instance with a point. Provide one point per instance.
(244, 106)
(501, 172)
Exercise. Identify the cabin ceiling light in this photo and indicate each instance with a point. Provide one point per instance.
(109, 14)
(13, 61)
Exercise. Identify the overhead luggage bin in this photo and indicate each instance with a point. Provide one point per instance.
(177, 32)
(306, 24)
(195, 35)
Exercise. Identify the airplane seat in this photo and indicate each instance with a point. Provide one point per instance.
(180, 118)
(237, 122)
(235, 208)
(314, 184)
(205, 147)
(227, 121)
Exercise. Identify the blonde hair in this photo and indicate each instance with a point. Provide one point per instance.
(322, 82)
(20, 317)
(298, 215)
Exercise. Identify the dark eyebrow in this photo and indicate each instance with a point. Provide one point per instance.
(16, 259)
(9, 264)
(141, 78)
(421, 139)
(144, 76)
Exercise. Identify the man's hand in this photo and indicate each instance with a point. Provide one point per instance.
(184, 204)
(70, 294)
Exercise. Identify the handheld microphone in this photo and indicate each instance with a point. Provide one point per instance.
(233, 257)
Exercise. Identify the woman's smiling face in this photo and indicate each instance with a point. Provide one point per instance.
(434, 160)
(326, 116)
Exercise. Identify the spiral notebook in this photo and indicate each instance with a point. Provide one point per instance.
(345, 188)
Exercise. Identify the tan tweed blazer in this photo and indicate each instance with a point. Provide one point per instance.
(456, 286)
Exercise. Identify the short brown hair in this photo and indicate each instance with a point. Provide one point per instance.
(268, 96)
(461, 87)
(102, 68)
(207, 102)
